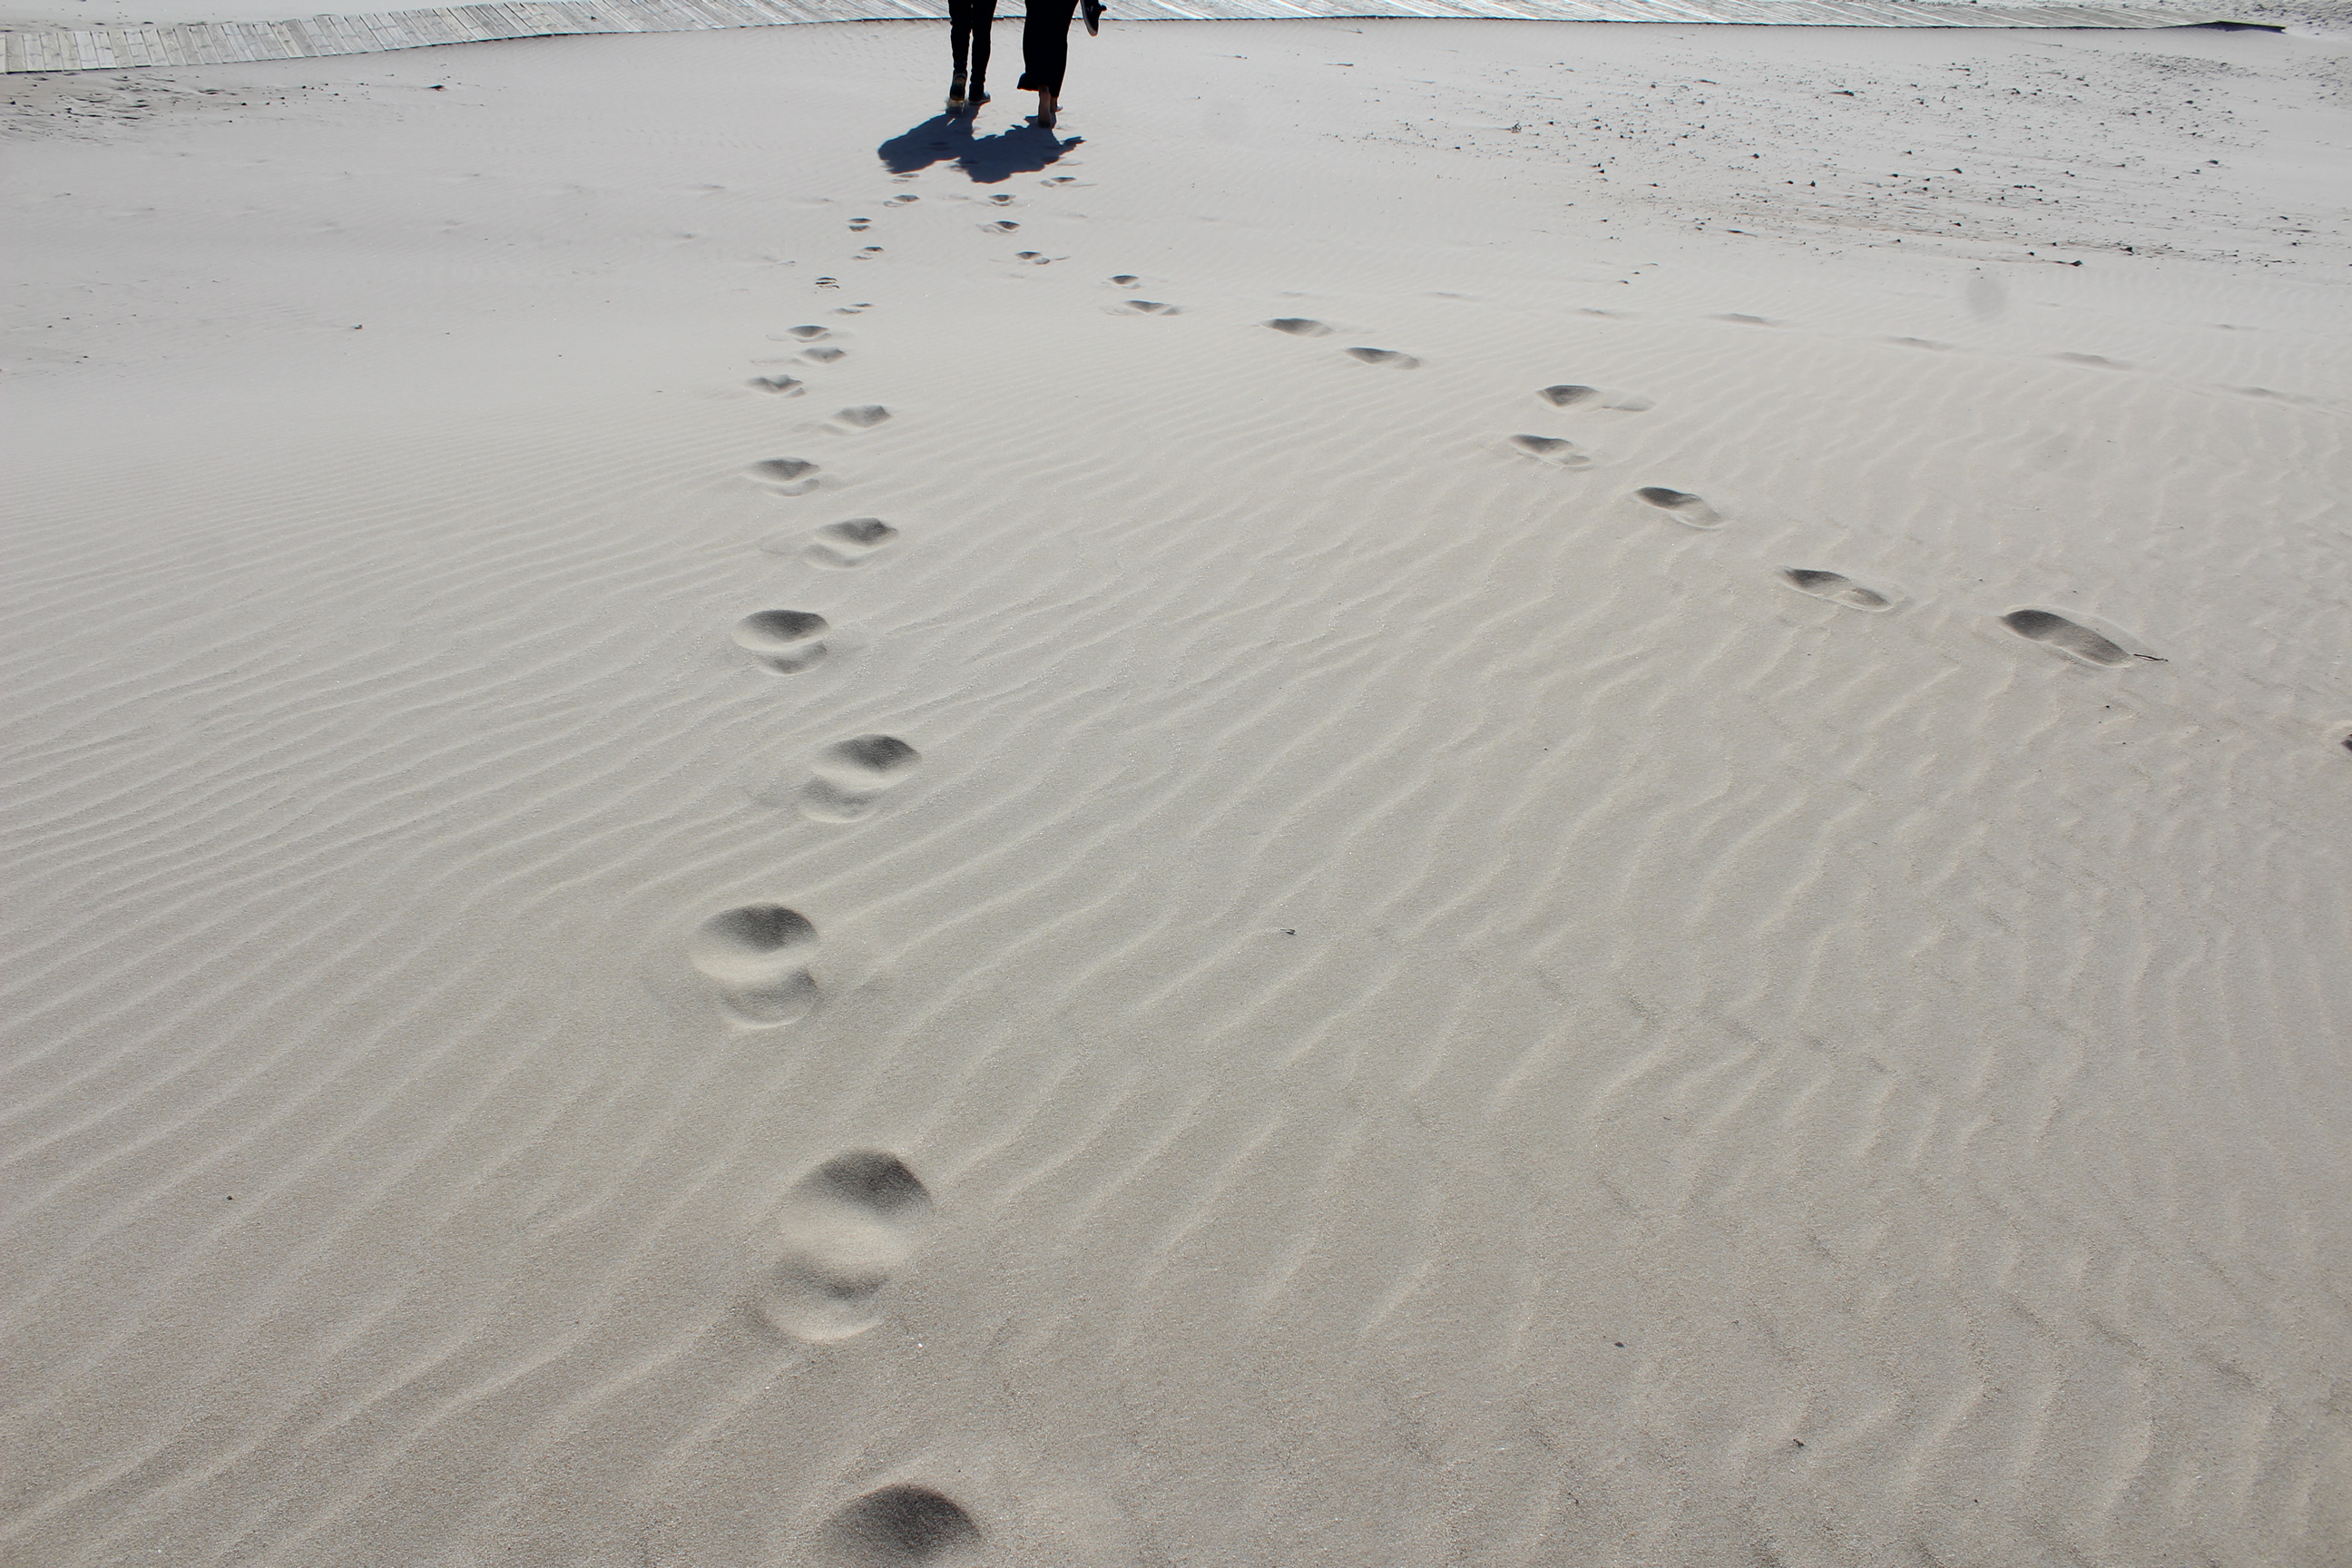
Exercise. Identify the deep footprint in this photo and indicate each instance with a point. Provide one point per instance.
(849, 777)
(849, 1225)
(808, 335)
(1299, 327)
(786, 641)
(1551, 449)
(791, 476)
(898, 1527)
(2055, 632)
(1395, 358)
(1836, 587)
(756, 960)
(1682, 506)
(837, 546)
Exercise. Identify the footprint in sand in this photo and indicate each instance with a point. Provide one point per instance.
(860, 225)
(849, 778)
(837, 545)
(2070, 639)
(788, 385)
(1551, 449)
(864, 416)
(1836, 587)
(1299, 327)
(786, 641)
(1001, 225)
(1570, 396)
(786, 476)
(1145, 307)
(898, 1527)
(756, 960)
(824, 354)
(804, 334)
(848, 1226)
(1033, 257)
(1394, 359)
(1125, 279)
(1748, 321)
(1682, 506)
(901, 199)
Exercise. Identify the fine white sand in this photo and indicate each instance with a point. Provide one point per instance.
(1293, 974)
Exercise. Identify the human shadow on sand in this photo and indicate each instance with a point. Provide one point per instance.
(986, 160)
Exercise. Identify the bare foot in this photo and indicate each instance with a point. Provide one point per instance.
(1045, 105)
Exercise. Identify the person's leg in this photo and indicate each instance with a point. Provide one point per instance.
(1045, 49)
(983, 21)
(967, 34)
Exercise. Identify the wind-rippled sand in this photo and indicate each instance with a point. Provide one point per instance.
(1262, 848)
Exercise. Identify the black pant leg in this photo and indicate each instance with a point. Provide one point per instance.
(983, 22)
(969, 21)
(1046, 44)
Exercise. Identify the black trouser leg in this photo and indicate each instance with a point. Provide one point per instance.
(1046, 45)
(969, 21)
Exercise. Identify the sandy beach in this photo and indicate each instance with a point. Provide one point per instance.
(1445, 792)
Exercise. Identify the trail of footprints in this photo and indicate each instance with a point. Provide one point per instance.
(2066, 637)
(850, 1226)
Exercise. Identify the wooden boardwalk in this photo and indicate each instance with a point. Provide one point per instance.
(224, 43)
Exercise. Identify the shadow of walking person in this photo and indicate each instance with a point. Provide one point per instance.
(984, 160)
